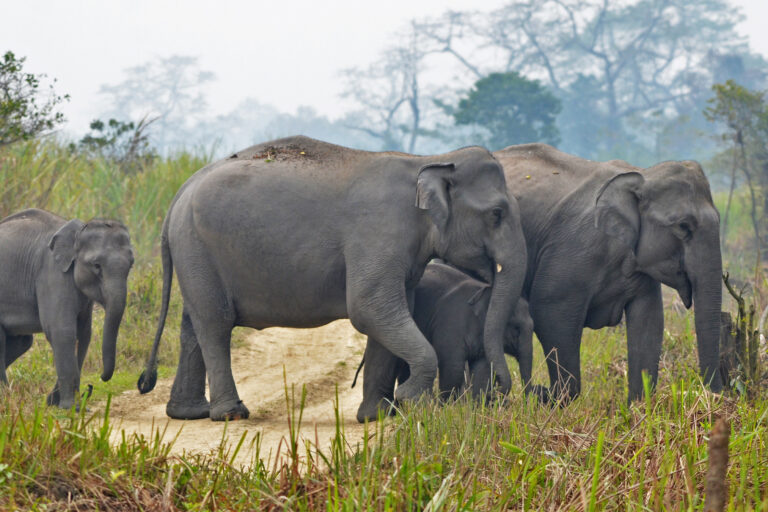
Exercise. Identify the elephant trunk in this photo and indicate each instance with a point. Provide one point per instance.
(705, 269)
(507, 287)
(113, 314)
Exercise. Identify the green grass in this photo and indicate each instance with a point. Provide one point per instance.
(596, 454)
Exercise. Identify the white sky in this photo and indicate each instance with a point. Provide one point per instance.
(285, 53)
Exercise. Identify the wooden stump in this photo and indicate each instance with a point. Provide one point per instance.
(729, 360)
(716, 487)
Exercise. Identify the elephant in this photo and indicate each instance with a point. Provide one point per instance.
(449, 309)
(601, 238)
(298, 232)
(51, 273)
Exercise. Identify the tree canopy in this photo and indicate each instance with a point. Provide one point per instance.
(25, 110)
(513, 109)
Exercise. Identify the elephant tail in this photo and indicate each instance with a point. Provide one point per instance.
(148, 377)
(360, 367)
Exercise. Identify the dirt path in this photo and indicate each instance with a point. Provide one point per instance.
(319, 358)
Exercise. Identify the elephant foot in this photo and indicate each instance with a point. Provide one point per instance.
(54, 398)
(224, 413)
(411, 389)
(540, 392)
(188, 410)
(371, 411)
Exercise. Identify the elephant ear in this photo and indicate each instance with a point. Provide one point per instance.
(479, 301)
(616, 207)
(63, 242)
(432, 195)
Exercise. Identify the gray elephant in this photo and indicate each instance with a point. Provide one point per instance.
(449, 309)
(297, 232)
(602, 237)
(51, 272)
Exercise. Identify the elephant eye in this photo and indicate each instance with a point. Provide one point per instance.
(97, 268)
(498, 214)
(685, 228)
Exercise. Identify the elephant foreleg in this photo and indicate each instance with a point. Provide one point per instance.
(67, 371)
(480, 378)
(379, 374)
(645, 332)
(188, 400)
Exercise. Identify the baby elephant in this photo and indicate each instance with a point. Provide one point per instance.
(51, 273)
(449, 309)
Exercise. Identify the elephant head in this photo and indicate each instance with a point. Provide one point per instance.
(666, 217)
(518, 335)
(100, 256)
(478, 229)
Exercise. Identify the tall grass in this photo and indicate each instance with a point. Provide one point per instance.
(46, 174)
(596, 454)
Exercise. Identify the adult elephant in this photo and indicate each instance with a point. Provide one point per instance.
(602, 237)
(297, 232)
(51, 272)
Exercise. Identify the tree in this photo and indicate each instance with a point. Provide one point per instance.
(124, 143)
(25, 111)
(745, 114)
(513, 109)
(392, 95)
(169, 89)
(636, 62)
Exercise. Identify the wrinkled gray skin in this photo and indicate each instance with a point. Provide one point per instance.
(51, 273)
(450, 309)
(602, 237)
(297, 233)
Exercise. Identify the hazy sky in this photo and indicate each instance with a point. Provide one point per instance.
(285, 53)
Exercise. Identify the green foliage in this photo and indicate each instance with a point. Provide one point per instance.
(745, 114)
(596, 454)
(24, 111)
(512, 108)
(743, 111)
(124, 143)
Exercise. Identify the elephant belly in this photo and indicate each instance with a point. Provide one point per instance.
(287, 296)
(605, 315)
(18, 316)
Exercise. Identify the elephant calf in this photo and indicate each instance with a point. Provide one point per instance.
(450, 309)
(51, 273)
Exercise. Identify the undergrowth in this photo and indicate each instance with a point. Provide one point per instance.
(598, 453)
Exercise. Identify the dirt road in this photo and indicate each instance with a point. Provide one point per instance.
(319, 358)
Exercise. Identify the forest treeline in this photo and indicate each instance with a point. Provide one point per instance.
(644, 81)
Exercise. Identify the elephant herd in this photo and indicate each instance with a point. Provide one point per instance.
(297, 233)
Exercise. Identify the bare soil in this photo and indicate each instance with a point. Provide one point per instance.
(321, 358)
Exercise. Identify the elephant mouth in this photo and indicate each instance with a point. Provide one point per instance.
(685, 290)
(482, 272)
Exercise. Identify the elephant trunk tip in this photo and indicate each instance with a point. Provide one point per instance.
(107, 374)
(147, 380)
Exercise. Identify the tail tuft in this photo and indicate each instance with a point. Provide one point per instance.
(147, 381)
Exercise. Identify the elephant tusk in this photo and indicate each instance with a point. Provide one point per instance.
(498, 268)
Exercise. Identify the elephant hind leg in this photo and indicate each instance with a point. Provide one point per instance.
(213, 330)
(561, 341)
(188, 400)
(14, 347)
